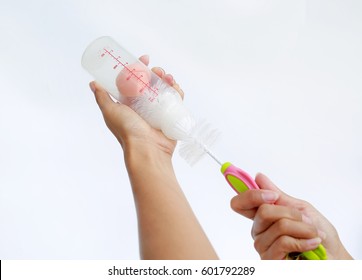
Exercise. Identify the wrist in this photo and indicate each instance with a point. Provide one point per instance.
(142, 154)
(343, 254)
(149, 169)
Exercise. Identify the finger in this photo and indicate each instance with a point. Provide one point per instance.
(265, 183)
(119, 118)
(286, 244)
(103, 99)
(177, 87)
(292, 228)
(247, 203)
(268, 214)
(158, 71)
(145, 59)
(169, 79)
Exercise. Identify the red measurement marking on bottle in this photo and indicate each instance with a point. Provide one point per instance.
(132, 73)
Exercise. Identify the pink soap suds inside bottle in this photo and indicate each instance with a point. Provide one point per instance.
(132, 81)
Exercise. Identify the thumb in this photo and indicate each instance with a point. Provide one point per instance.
(103, 99)
(266, 184)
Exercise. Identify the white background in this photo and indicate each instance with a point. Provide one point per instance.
(281, 80)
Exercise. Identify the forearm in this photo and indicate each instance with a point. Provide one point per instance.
(168, 229)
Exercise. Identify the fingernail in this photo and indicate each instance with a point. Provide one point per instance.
(269, 196)
(162, 71)
(158, 71)
(170, 79)
(92, 86)
(314, 242)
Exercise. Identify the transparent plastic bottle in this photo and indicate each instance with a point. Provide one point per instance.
(131, 82)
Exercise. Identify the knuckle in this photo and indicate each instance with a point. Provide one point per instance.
(298, 246)
(264, 211)
(284, 243)
(302, 204)
(311, 231)
(282, 225)
(239, 203)
(288, 244)
(258, 244)
(235, 204)
(295, 214)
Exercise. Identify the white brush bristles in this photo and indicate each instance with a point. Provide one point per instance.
(201, 138)
(165, 111)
